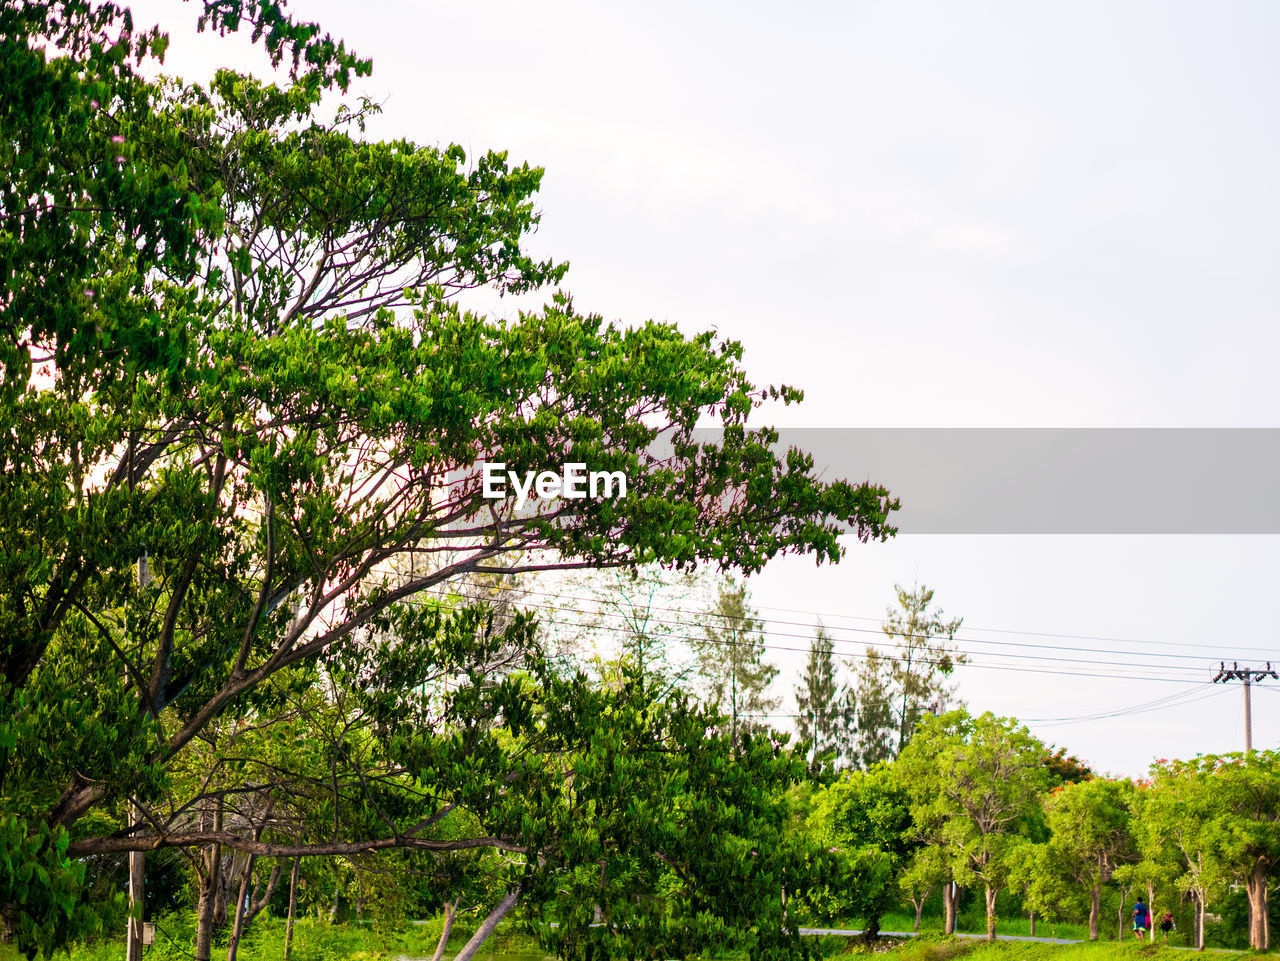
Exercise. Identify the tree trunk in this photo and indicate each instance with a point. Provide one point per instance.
(497, 914)
(991, 911)
(210, 884)
(950, 901)
(337, 899)
(293, 906)
(919, 906)
(230, 871)
(450, 910)
(1033, 924)
(1200, 923)
(204, 910)
(871, 929)
(258, 901)
(1095, 911)
(238, 928)
(1256, 886)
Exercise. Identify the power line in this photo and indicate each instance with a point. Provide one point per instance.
(1163, 704)
(1133, 707)
(1179, 699)
(667, 623)
(1198, 659)
(618, 630)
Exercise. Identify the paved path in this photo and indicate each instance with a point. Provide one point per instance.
(853, 932)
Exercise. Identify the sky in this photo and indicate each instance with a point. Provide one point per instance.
(924, 215)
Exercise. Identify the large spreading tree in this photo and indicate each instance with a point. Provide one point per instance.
(241, 419)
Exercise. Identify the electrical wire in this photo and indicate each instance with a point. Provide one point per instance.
(1089, 718)
(1133, 708)
(1199, 659)
(770, 634)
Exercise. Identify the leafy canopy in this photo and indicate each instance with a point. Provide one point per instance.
(240, 412)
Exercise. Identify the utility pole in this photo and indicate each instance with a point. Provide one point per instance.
(1246, 675)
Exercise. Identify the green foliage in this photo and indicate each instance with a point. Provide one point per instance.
(975, 786)
(1091, 835)
(679, 840)
(896, 690)
(827, 711)
(228, 356)
(864, 818)
(313, 941)
(1213, 820)
(731, 660)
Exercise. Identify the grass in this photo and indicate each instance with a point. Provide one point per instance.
(931, 948)
(969, 923)
(312, 941)
(319, 941)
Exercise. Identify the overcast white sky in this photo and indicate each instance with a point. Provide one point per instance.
(923, 214)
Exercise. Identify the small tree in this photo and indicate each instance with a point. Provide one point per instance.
(866, 817)
(926, 872)
(1043, 876)
(973, 784)
(1091, 835)
(1174, 833)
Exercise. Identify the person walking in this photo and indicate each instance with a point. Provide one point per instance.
(1167, 924)
(1141, 920)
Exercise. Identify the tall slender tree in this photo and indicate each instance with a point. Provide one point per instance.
(874, 716)
(825, 705)
(730, 657)
(902, 686)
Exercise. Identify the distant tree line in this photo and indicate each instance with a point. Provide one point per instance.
(978, 802)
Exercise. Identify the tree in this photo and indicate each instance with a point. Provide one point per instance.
(730, 657)
(865, 817)
(1066, 768)
(924, 873)
(1174, 813)
(872, 698)
(1237, 800)
(1091, 835)
(643, 615)
(826, 707)
(1041, 872)
(974, 783)
(229, 358)
(912, 680)
(677, 834)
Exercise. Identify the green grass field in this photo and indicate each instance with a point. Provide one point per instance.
(937, 949)
(312, 941)
(974, 924)
(320, 941)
